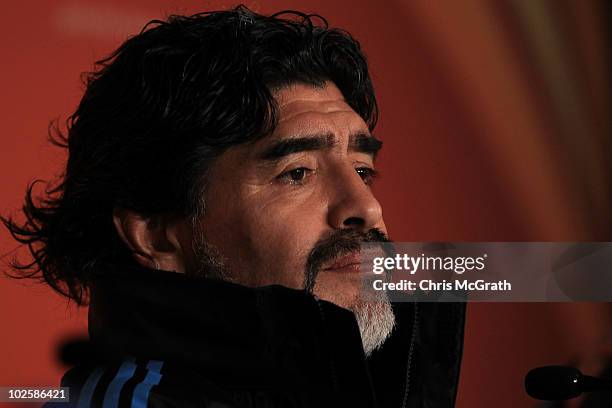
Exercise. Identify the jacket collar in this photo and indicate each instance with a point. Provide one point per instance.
(253, 338)
(277, 338)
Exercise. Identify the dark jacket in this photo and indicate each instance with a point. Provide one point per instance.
(166, 340)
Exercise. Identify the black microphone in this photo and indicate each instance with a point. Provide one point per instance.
(556, 383)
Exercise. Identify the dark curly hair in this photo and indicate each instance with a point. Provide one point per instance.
(156, 112)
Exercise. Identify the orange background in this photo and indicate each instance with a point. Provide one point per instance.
(495, 122)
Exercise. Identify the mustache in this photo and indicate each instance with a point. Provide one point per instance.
(339, 243)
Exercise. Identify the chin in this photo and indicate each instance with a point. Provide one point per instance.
(376, 321)
(373, 312)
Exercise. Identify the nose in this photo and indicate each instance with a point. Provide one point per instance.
(352, 204)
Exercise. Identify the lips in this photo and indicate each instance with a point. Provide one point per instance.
(349, 263)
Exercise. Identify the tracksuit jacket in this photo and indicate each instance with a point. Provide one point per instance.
(162, 339)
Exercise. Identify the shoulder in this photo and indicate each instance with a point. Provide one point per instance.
(139, 384)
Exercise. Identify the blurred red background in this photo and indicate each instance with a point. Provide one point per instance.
(495, 118)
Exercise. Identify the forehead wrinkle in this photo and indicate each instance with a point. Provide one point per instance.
(305, 93)
(284, 101)
(342, 124)
(313, 108)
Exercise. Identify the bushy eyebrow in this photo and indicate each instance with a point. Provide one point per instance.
(285, 147)
(361, 142)
(365, 143)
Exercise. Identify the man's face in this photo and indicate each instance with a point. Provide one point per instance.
(268, 204)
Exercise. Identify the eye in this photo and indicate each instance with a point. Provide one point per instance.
(295, 176)
(367, 174)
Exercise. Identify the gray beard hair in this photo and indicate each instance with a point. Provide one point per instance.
(376, 321)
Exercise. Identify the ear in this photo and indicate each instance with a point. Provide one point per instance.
(157, 241)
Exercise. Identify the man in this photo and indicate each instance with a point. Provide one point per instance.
(215, 198)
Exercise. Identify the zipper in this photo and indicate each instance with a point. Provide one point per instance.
(415, 323)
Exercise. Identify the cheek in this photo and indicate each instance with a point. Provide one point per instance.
(266, 238)
(282, 234)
